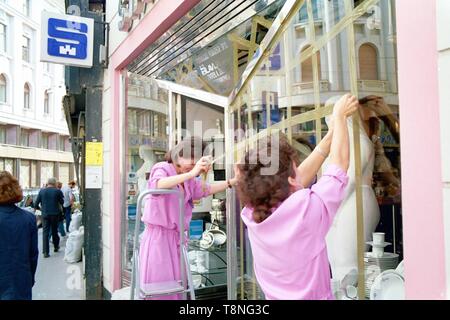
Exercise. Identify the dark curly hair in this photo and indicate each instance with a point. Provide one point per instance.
(10, 190)
(264, 192)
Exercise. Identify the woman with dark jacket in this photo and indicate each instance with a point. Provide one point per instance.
(18, 242)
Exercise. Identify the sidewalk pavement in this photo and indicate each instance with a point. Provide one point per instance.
(56, 279)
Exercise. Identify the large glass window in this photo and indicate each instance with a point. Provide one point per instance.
(146, 142)
(349, 51)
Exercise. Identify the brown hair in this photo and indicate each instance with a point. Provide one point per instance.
(265, 192)
(187, 148)
(72, 183)
(10, 190)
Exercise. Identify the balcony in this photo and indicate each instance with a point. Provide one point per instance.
(308, 87)
(379, 86)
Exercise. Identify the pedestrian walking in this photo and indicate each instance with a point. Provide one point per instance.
(69, 199)
(18, 243)
(50, 201)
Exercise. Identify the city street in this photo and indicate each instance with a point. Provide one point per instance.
(56, 279)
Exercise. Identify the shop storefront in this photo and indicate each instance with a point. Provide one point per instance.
(235, 71)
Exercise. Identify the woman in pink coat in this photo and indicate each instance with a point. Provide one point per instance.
(286, 222)
(159, 249)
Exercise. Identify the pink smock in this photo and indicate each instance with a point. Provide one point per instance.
(289, 249)
(159, 258)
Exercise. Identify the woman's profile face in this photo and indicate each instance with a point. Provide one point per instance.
(185, 165)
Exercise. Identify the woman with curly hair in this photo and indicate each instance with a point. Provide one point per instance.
(287, 223)
(18, 242)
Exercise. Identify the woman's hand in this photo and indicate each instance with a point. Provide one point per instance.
(202, 166)
(379, 106)
(345, 106)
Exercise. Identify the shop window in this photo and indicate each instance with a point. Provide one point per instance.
(378, 143)
(368, 62)
(3, 88)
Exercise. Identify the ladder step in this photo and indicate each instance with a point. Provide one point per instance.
(162, 288)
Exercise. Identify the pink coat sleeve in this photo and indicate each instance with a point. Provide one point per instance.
(326, 197)
(156, 174)
(200, 189)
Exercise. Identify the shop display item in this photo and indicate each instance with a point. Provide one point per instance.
(400, 269)
(342, 236)
(389, 285)
(378, 244)
(374, 266)
(149, 158)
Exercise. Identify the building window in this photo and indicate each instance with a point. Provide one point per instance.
(26, 7)
(46, 102)
(316, 10)
(34, 182)
(25, 138)
(47, 171)
(368, 62)
(307, 68)
(45, 138)
(26, 96)
(3, 88)
(62, 143)
(7, 165)
(25, 174)
(25, 49)
(2, 134)
(3, 38)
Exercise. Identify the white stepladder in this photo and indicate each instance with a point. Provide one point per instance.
(158, 289)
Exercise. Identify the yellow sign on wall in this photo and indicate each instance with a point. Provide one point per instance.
(94, 153)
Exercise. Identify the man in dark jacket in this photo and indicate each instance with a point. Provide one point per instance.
(50, 201)
(18, 243)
